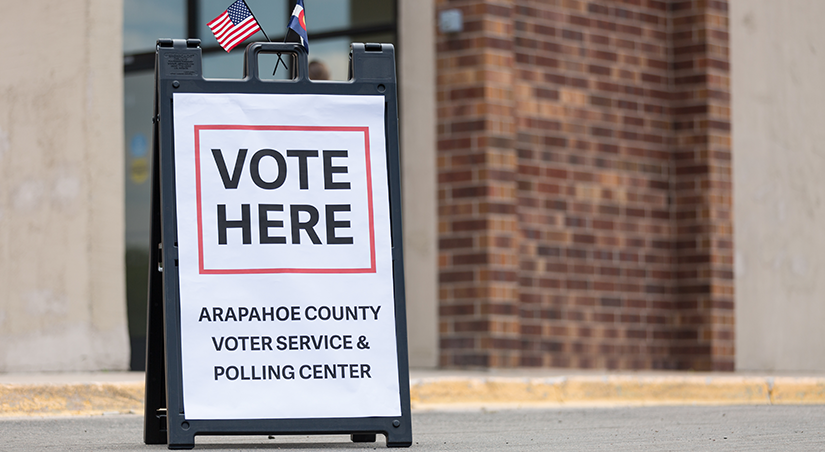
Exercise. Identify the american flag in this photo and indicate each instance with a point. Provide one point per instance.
(234, 25)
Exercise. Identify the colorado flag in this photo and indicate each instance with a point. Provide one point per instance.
(298, 24)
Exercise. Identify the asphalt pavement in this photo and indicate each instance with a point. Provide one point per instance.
(714, 428)
(454, 410)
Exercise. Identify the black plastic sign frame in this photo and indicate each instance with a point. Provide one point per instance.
(178, 69)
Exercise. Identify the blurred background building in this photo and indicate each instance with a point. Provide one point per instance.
(610, 184)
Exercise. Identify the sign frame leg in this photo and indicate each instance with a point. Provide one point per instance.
(154, 421)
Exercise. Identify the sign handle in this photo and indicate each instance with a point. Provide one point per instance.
(300, 70)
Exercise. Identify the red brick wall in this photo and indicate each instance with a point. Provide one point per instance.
(584, 185)
(703, 211)
(478, 197)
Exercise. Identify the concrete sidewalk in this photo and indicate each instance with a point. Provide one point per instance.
(49, 394)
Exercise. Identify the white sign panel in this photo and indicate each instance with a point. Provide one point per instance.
(286, 287)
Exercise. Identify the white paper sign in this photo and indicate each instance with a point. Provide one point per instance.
(286, 288)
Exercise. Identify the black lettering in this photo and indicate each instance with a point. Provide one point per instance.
(329, 371)
(266, 343)
(243, 377)
(353, 371)
(264, 223)
(255, 170)
(255, 343)
(229, 371)
(365, 371)
(230, 313)
(242, 312)
(281, 343)
(306, 313)
(219, 371)
(307, 226)
(352, 313)
(234, 345)
(204, 314)
(244, 223)
(332, 342)
(308, 368)
(329, 170)
(218, 344)
(229, 182)
(253, 314)
(305, 343)
(347, 342)
(217, 314)
(289, 372)
(282, 313)
(332, 224)
(339, 315)
(270, 314)
(274, 372)
(316, 344)
(302, 164)
(375, 311)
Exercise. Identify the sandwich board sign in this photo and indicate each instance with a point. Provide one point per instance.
(276, 291)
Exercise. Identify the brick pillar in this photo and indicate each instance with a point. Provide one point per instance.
(704, 322)
(478, 230)
(594, 160)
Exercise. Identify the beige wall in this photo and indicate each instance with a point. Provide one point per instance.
(62, 301)
(778, 65)
(416, 63)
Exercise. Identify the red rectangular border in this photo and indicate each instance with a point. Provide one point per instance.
(204, 271)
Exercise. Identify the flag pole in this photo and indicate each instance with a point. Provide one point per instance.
(279, 56)
(279, 53)
(256, 20)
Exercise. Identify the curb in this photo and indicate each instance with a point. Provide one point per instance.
(71, 399)
(465, 392)
(616, 390)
